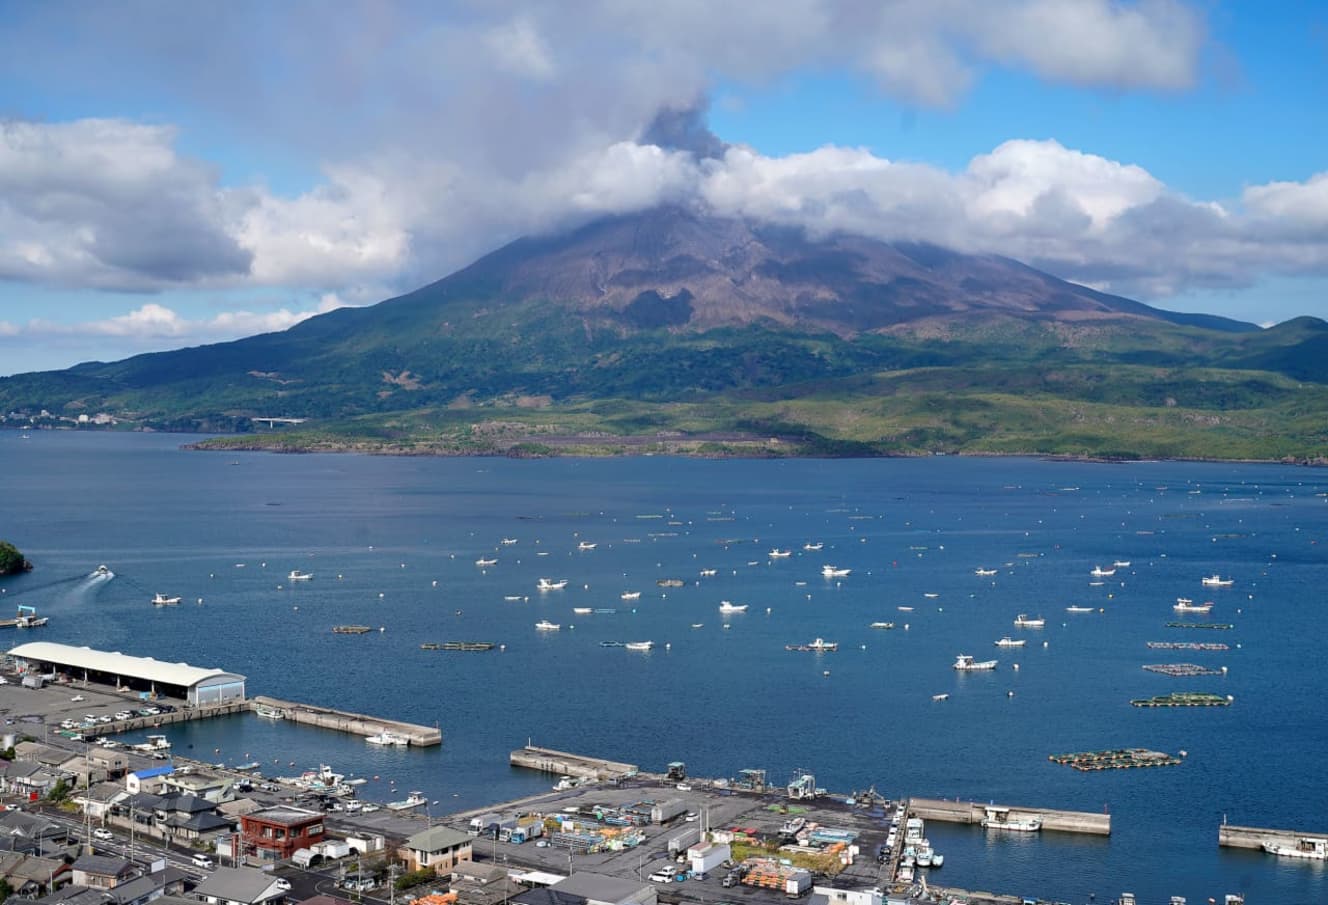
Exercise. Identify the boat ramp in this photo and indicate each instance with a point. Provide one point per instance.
(972, 812)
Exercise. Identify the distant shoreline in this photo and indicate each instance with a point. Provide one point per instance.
(734, 446)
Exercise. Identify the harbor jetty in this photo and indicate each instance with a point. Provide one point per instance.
(345, 721)
(1231, 836)
(972, 812)
(562, 763)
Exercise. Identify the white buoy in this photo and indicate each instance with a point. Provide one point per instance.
(1046, 644)
(1016, 667)
(1224, 670)
(380, 594)
(1009, 694)
(435, 582)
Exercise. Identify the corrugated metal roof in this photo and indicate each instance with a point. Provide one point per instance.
(118, 664)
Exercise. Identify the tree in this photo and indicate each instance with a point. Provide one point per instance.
(12, 561)
(5, 890)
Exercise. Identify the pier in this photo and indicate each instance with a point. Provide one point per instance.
(547, 760)
(156, 721)
(1229, 836)
(354, 723)
(972, 813)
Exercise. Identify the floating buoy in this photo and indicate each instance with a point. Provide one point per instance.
(826, 673)
(1016, 667)
(1009, 694)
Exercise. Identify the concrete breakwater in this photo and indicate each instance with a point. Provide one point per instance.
(1230, 836)
(973, 812)
(354, 723)
(563, 763)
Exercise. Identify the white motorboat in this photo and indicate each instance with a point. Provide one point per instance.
(387, 739)
(484, 563)
(708, 573)
(904, 609)
(1311, 848)
(966, 663)
(828, 571)
(984, 572)
(513, 597)
(508, 541)
(639, 645)
(548, 584)
(545, 625)
(582, 610)
(1078, 609)
(1007, 641)
(1024, 621)
(163, 600)
(1185, 605)
(726, 607)
(414, 800)
(1121, 564)
(630, 595)
(268, 712)
(584, 545)
(943, 696)
(102, 571)
(881, 625)
(1217, 581)
(820, 645)
(780, 554)
(1002, 819)
(812, 548)
(297, 575)
(1099, 572)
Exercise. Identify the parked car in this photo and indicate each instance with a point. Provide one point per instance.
(77, 699)
(731, 879)
(282, 883)
(664, 874)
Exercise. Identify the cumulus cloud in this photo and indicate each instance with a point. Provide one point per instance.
(440, 138)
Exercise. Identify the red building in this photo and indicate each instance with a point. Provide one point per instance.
(274, 834)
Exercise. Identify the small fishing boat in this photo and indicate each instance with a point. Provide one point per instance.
(582, 610)
(1099, 572)
(882, 625)
(708, 573)
(548, 584)
(1007, 641)
(966, 663)
(639, 645)
(630, 595)
(585, 546)
(414, 800)
(1184, 605)
(812, 548)
(828, 571)
(984, 572)
(484, 563)
(508, 541)
(1024, 621)
(1217, 581)
(385, 739)
(904, 609)
(943, 696)
(780, 554)
(1078, 609)
(163, 600)
(726, 607)
(102, 571)
(297, 575)
(268, 712)
(545, 625)
(1121, 564)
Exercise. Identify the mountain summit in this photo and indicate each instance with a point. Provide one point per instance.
(669, 320)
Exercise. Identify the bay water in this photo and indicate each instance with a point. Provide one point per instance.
(392, 543)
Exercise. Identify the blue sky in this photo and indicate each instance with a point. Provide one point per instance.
(173, 175)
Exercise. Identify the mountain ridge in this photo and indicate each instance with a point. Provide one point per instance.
(671, 307)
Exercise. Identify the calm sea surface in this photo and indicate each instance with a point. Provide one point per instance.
(393, 542)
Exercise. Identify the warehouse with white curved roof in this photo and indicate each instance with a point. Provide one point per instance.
(195, 684)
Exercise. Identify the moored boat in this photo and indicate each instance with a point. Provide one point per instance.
(163, 600)
(583, 610)
(268, 712)
(548, 584)
(484, 563)
(726, 607)
(1217, 581)
(812, 548)
(639, 645)
(1007, 641)
(297, 575)
(882, 625)
(1003, 819)
(1078, 609)
(1311, 848)
(1024, 621)
(779, 554)
(984, 572)
(414, 800)
(966, 663)
(1099, 572)
(1184, 605)
(828, 571)
(818, 646)
(629, 595)
(386, 739)
(545, 625)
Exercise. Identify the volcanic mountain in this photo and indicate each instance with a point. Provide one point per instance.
(673, 307)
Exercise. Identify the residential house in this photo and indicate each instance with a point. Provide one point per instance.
(482, 884)
(98, 801)
(32, 779)
(273, 834)
(148, 779)
(238, 886)
(599, 889)
(544, 895)
(30, 876)
(102, 871)
(439, 848)
(215, 789)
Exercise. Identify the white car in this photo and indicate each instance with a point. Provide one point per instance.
(77, 699)
(123, 715)
(282, 883)
(663, 875)
(102, 834)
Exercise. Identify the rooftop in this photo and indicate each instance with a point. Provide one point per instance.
(283, 815)
(116, 663)
(437, 839)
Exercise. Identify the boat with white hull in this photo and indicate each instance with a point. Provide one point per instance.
(1217, 581)
(297, 575)
(828, 571)
(1306, 848)
(163, 600)
(726, 607)
(1023, 621)
(387, 739)
(1004, 819)
(1007, 641)
(548, 584)
(965, 663)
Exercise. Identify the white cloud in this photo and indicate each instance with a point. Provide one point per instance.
(152, 321)
(518, 48)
